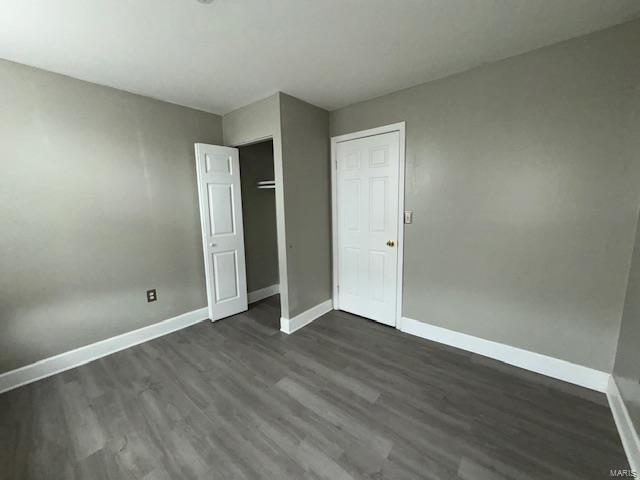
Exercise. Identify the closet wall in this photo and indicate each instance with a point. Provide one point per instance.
(307, 202)
(627, 364)
(303, 200)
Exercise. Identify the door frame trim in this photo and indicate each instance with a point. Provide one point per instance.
(399, 127)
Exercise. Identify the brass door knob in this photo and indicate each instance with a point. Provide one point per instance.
(390, 243)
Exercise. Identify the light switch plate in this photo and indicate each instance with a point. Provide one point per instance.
(408, 216)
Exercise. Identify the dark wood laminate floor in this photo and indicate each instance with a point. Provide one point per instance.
(343, 398)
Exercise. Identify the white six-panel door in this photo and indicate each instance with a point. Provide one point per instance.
(218, 170)
(367, 173)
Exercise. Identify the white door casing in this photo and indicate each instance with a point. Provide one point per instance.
(367, 224)
(218, 172)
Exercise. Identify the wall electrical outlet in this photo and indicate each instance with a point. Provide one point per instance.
(151, 295)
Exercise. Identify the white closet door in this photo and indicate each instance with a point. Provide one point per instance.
(367, 210)
(218, 171)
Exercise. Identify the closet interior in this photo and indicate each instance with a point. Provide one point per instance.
(259, 220)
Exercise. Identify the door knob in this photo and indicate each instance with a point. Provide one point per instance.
(390, 243)
(212, 244)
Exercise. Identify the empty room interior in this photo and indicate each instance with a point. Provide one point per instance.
(320, 239)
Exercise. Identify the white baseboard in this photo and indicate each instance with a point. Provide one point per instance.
(290, 325)
(628, 434)
(265, 292)
(80, 356)
(536, 362)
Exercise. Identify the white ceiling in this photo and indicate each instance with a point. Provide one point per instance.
(330, 53)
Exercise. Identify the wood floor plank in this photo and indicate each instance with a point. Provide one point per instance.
(343, 398)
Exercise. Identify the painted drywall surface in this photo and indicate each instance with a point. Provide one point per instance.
(249, 124)
(627, 366)
(259, 216)
(98, 203)
(300, 133)
(257, 120)
(524, 184)
(307, 196)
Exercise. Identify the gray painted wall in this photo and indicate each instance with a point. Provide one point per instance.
(259, 216)
(307, 196)
(627, 366)
(253, 122)
(523, 175)
(300, 133)
(98, 203)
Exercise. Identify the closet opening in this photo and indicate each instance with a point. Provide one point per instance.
(257, 184)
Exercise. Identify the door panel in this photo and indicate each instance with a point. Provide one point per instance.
(221, 209)
(225, 266)
(367, 178)
(218, 171)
